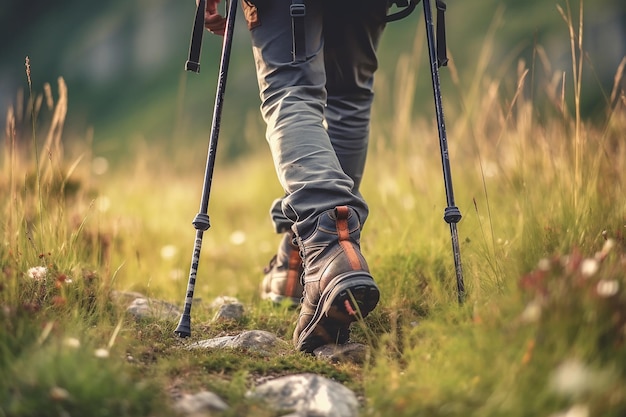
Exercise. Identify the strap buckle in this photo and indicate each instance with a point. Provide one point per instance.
(297, 10)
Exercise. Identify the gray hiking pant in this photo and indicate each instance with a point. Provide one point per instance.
(317, 111)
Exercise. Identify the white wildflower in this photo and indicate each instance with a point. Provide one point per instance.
(237, 237)
(532, 312)
(59, 394)
(607, 287)
(101, 353)
(571, 378)
(37, 273)
(574, 379)
(168, 251)
(490, 169)
(72, 342)
(103, 203)
(544, 264)
(99, 165)
(589, 267)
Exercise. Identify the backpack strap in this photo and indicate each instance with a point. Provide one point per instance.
(407, 7)
(297, 10)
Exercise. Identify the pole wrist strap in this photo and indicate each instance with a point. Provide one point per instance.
(442, 54)
(193, 62)
(297, 10)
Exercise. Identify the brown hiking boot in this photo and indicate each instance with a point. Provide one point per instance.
(282, 275)
(338, 288)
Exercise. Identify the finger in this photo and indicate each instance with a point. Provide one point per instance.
(215, 24)
(211, 6)
(217, 29)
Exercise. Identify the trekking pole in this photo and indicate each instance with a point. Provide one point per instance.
(452, 214)
(201, 222)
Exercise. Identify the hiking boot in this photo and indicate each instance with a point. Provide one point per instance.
(338, 288)
(282, 275)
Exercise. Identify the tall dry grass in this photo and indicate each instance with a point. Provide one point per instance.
(544, 204)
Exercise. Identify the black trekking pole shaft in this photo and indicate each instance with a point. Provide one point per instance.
(452, 215)
(201, 222)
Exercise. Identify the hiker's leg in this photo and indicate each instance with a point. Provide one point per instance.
(319, 197)
(281, 223)
(352, 30)
(293, 100)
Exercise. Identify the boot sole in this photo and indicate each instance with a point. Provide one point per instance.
(353, 297)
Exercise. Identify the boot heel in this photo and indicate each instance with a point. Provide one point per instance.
(357, 301)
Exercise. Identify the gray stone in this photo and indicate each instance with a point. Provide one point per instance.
(149, 308)
(350, 352)
(222, 300)
(307, 395)
(229, 311)
(200, 404)
(257, 340)
(215, 343)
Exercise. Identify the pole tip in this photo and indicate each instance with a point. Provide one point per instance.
(184, 327)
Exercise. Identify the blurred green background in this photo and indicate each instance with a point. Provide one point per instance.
(123, 64)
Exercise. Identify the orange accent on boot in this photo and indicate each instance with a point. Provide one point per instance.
(292, 273)
(343, 233)
(349, 308)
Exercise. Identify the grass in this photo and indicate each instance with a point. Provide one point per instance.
(542, 244)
